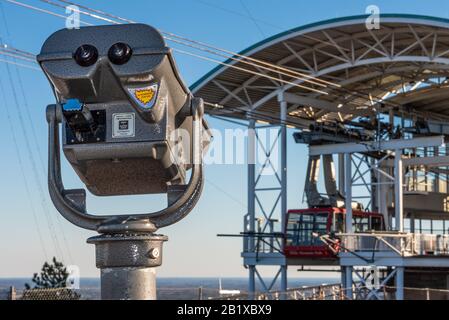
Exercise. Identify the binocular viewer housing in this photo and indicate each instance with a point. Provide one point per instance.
(129, 126)
(122, 102)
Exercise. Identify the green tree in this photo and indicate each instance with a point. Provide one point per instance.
(52, 275)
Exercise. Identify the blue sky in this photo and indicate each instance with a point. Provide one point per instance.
(193, 249)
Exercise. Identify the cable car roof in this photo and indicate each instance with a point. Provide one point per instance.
(401, 67)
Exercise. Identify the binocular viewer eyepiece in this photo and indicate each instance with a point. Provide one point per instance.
(87, 55)
(129, 124)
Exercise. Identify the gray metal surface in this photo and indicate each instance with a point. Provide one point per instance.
(128, 284)
(128, 250)
(128, 265)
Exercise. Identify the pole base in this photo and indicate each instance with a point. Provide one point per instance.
(128, 265)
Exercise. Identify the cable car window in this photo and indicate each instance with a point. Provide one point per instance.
(300, 228)
(360, 224)
(338, 223)
(376, 223)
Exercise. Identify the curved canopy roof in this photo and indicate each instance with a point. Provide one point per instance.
(402, 67)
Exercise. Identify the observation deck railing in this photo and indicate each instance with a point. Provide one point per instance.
(404, 244)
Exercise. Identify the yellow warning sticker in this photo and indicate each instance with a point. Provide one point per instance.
(146, 95)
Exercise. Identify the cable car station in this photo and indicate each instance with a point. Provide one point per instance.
(378, 110)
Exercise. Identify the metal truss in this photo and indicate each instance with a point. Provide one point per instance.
(262, 216)
(367, 66)
(374, 176)
(362, 179)
(364, 288)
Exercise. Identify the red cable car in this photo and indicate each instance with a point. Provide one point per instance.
(299, 241)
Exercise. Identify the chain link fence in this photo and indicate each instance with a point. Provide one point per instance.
(40, 294)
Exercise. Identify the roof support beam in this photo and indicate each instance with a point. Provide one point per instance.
(339, 148)
(319, 103)
(222, 87)
(309, 102)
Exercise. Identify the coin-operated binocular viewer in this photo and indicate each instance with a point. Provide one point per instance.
(129, 126)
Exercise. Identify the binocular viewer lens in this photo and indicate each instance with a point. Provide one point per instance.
(86, 55)
(118, 54)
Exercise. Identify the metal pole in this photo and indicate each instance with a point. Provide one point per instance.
(348, 220)
(399, 283)
(343, 277)
(284, 282)
(446, 152)
(391, 120)
(252, 282)
(398, 202)
(128, 265)
(283, 184)
(348, 191)
(251, 146)
(436, 181)
(200, 293)
(341, 173)
(382, 194)
(348, 282)
(374, 177)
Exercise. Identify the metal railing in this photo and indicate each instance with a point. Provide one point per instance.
(419, 294)
(404, 244)
(322, 292)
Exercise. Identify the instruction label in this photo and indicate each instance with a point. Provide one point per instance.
(123, 125)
